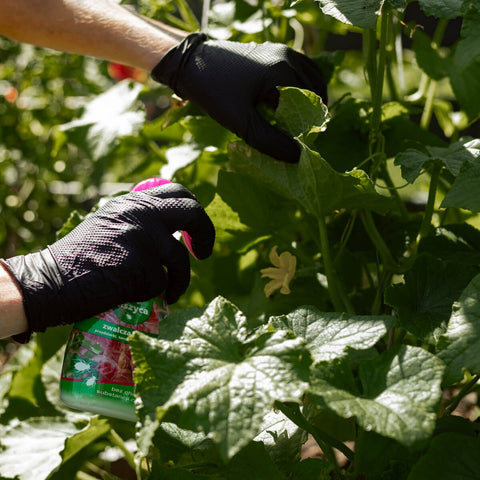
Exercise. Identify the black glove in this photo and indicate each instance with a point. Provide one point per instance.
(116, 255)
(227, 80)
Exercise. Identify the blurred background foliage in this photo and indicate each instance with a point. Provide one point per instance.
(74, 129)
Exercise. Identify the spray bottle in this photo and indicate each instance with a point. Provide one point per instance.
(97, 367)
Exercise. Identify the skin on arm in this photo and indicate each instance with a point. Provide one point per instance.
(12, 315)
(98, 28)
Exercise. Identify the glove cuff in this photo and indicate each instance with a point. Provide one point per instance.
(168, 70)
(40, 282)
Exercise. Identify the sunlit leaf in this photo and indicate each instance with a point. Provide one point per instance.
(330, 334)
(214, 376)
(359, 13)
(108, 117)
(459, 347)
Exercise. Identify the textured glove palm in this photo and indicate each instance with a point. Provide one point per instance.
(227, 80)
(116, 255)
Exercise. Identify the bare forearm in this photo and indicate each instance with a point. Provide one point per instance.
(99, 28)
(12, 315)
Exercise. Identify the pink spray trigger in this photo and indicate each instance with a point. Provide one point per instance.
(157, 182)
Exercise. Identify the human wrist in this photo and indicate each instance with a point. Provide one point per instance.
(12, 313)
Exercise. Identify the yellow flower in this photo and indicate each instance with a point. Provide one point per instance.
(282, 272)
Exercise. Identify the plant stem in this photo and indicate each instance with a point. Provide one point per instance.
(463, 393)
(390, 61)
(430, 207)
(370, 42)
(377, 90)
(346, 234)
(428, 109)
(118, 442)
(432, 87)
(84, 476)
(340, 301)
(394, 192)
(292, 411)
(369, 224)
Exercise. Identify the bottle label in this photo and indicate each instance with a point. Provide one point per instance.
(98, 364)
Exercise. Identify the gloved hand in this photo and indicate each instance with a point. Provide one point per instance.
(227, 80)
(116, 255)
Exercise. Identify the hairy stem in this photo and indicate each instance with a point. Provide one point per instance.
(430, 207)
(339, 298)
(377, 89)
(432, 87)
(466, 389)
(118, 442)
(387, 258)
(292, 411)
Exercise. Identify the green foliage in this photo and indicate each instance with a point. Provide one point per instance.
(377, 342)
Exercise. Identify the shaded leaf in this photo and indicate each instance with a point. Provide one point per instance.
(401, 389)
(310, 468)
(313, 182)
(96, 428)
(412, 161)
(457, 243)
(424, 301)
(349, 121)
(283, 440)
(242, 210)
(468, 47)
(441, 8)
(464, 191)
(459, 347)
(465, 82)
(428, 58)
(442, 462)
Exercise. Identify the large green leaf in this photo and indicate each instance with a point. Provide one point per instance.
(27, 393)
(349, 122)
(401, 389)
(464, 191)
(429, 59)
(214, 376)
(442, 8)
(465, 82)
(309, 468)
(469, 46)
(301, 112)
(313, 182)
(330, 334)
(31, 449)
(457, 243)
(424, 301)
(449, 456)
(108, 117)
(360, 13)
(459, 347)
(243, 211)
(227, 222)
(283, 440)
(412, 161)
(97, 428)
